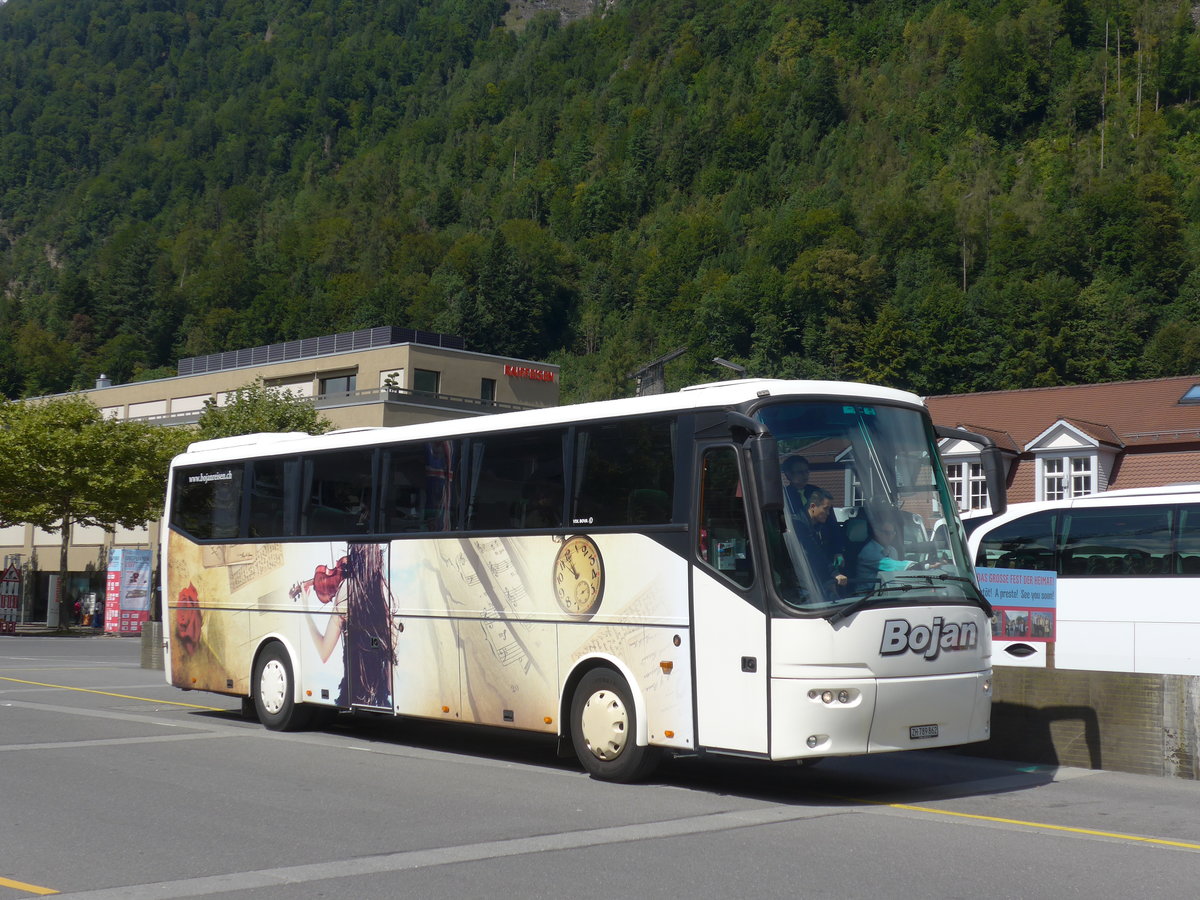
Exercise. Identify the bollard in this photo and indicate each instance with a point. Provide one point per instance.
(152, 645)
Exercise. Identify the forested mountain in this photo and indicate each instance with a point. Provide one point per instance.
(940, 196)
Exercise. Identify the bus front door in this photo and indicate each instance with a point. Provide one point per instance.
(729, 623)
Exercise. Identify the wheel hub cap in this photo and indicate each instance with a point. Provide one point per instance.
(605, 724)
(272, 686)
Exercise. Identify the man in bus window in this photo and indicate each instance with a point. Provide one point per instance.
(828, 543)
(795, 470)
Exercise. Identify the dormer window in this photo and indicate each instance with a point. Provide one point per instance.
(1067, 476)
(1071, 460)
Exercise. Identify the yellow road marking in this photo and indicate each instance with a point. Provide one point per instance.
(28, 888)
(65, 687)
(1045, 826)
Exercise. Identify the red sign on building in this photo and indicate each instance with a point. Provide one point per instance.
(528, 372)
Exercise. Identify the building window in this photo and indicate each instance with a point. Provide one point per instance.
(426, 381)
(1081, 476)
(954, 475)
(967, 485)
(1052, 479)
(978, 487)
(341, 384)
(487, 390)
(1057, 484)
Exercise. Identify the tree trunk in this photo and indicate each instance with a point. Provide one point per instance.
(60, 590)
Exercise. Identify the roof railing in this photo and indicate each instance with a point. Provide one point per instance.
(335, 399)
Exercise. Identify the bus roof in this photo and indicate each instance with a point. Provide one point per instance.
(1125, 497)
(701, 396)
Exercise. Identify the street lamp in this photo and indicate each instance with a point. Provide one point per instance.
(741, 370)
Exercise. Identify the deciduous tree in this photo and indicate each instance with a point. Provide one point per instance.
(255, 408)
(63, 464)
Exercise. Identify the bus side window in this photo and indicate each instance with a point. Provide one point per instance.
(208, 501)
(420, 488)
(724, 534)
(516, 481)
(336, 493)
(1024, 543)
(1186, 560)
(272, 498)
(624, 473)
(1118, 541)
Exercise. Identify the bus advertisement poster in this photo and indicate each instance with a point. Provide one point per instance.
(1025, 601)
(127, 592)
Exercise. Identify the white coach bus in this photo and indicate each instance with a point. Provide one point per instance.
(627, 575)
(1127, 566)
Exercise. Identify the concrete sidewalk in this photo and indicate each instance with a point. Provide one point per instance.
(41, 629)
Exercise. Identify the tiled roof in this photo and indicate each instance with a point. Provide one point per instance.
(1138, 470)
(1136, 412)
(1002, 439)
(1102, 433)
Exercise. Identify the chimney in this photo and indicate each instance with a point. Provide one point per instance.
(103, 381)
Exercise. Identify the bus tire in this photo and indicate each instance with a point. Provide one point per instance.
(604, 729)
(274, 689)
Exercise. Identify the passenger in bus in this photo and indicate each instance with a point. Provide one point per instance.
(795, 469)
(797, 491)
(880, 556)
(827, 544)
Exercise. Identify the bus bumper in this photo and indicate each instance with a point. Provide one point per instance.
(844, 717)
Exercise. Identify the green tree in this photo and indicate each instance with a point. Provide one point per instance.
(63, 464)
(256, 408)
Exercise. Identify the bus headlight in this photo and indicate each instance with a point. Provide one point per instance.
(827, 696)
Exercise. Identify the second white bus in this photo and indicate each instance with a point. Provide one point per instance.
(1127, 566)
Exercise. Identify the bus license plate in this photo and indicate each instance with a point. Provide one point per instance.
(916, 732)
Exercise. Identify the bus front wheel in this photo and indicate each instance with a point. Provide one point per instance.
(274, 692)
(604, 729)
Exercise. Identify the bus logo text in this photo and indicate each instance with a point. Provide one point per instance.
(900, 636)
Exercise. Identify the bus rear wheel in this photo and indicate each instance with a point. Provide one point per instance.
(274, 691)
(604, 729)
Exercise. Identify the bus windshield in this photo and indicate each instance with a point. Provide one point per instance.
(864, 490)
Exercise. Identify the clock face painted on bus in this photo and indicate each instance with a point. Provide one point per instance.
(578, 576)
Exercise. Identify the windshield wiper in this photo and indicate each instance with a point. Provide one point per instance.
(869, 598)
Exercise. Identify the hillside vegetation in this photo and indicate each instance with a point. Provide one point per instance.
(940, 196)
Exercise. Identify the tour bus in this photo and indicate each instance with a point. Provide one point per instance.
(1127, 566)
(627, 575)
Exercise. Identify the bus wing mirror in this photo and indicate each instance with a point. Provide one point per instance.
(992, 460)
(764, 456)
(993, 472)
